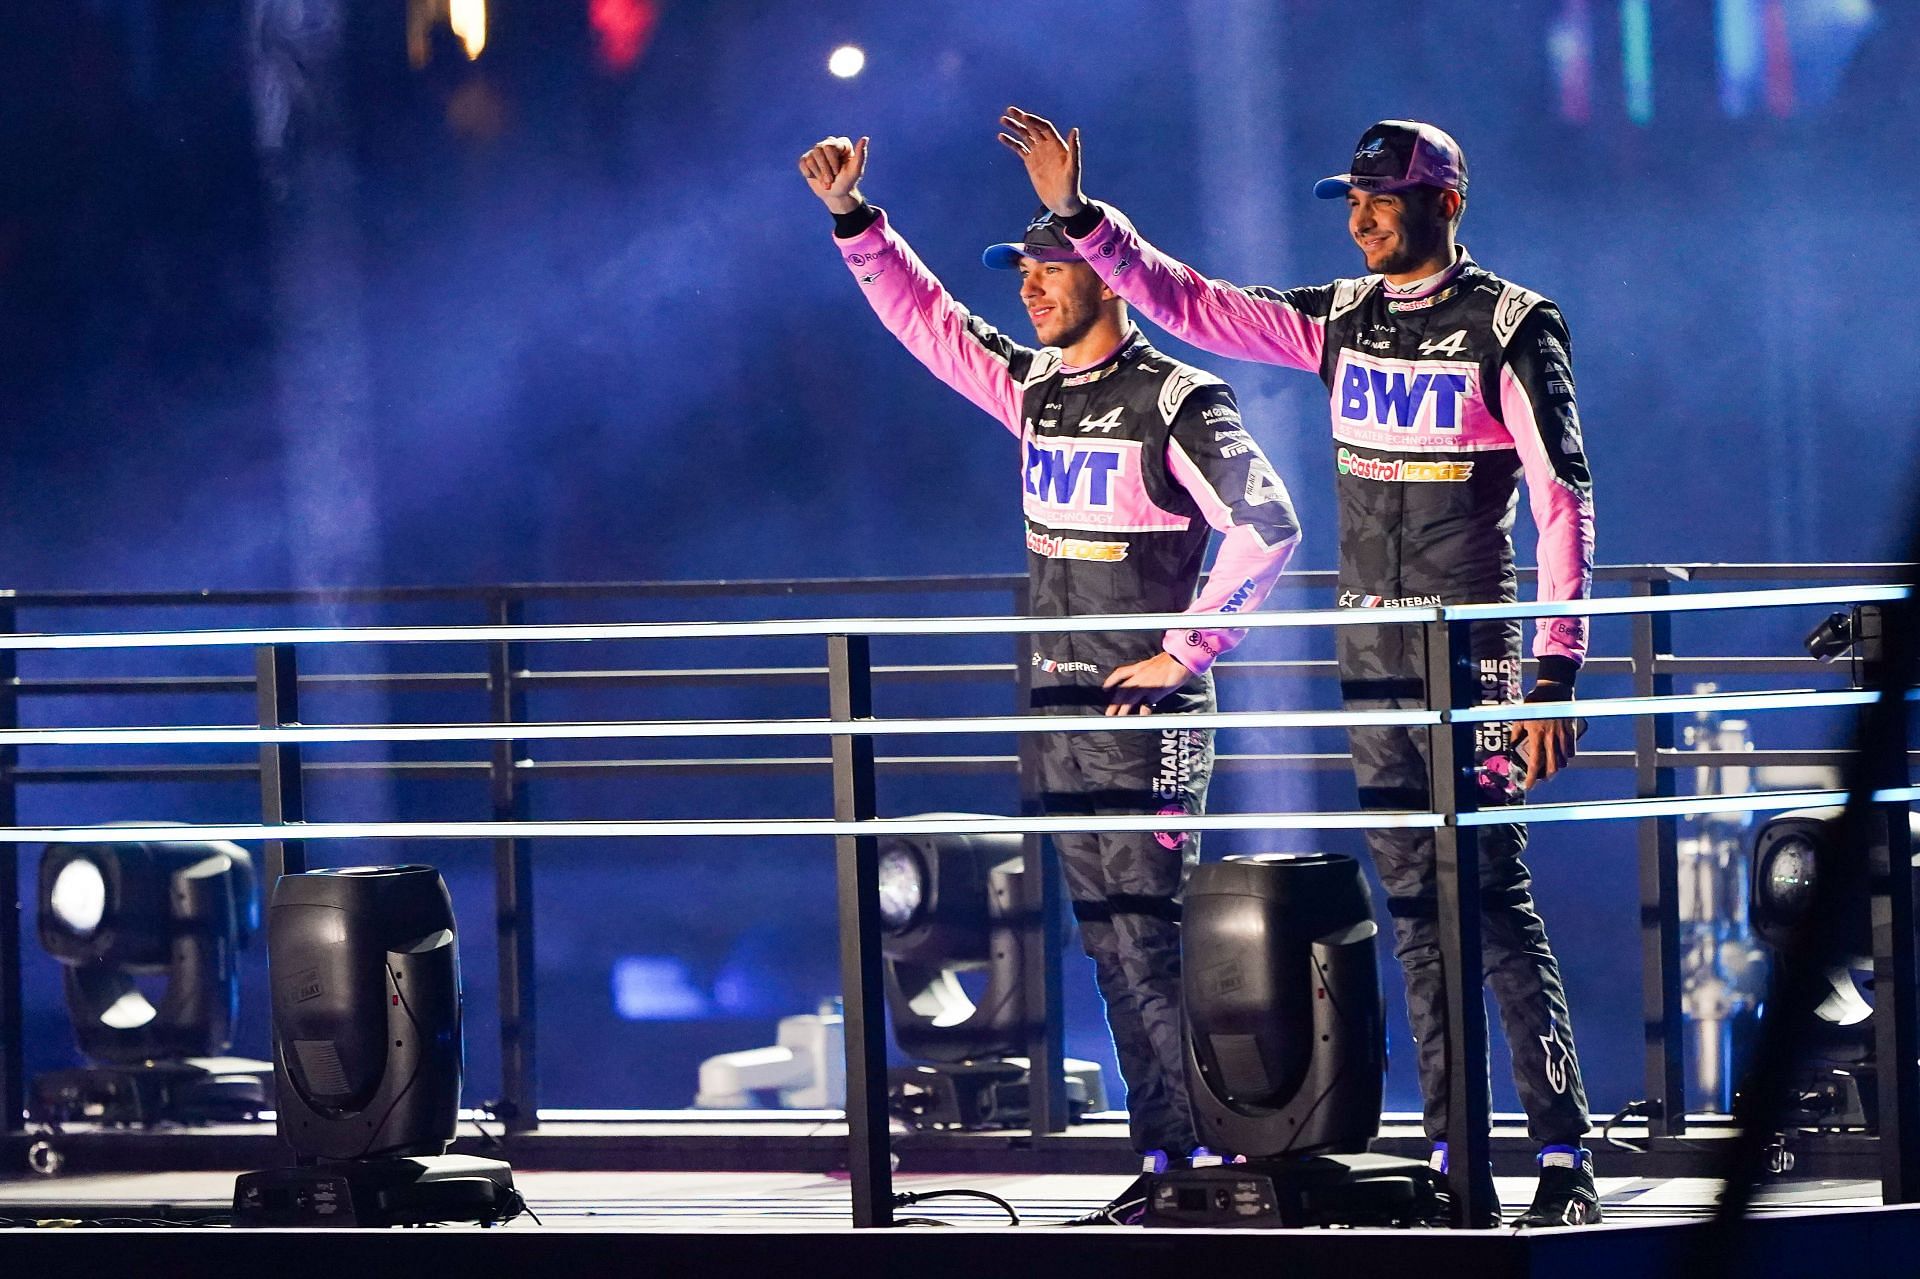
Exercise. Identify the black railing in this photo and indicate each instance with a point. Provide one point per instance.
(849, 676)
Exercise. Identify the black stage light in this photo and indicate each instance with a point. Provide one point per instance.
(1793, 850)
(1286, 1052)
(952, 904)
(177, 914)
(367, 1048)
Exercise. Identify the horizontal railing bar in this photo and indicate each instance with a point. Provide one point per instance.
(1592, 708)
(583, 631)
(533, 591)
(1671, 704)
(731, 827)
(147, 685)
(1223, 763)
(1697, 665)
(1878, 571)
(1630, 809)
(1678, 806)
(1703, 602)
(596, 767)
(213, 735)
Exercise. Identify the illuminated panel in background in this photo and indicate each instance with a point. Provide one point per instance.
(1570, 48)
(1737, 30)
(1636, 59)
(468, 18)
(621, 30)
(1779, 45)
(1788, 54)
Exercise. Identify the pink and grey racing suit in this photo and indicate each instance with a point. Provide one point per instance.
(1442, 398)
(1125, 468)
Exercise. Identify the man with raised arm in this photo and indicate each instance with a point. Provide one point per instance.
(1447, 384)
(1127, 459)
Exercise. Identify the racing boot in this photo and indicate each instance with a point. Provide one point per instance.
(1129, 1207)
(1566, 1196)
(1488, 1218)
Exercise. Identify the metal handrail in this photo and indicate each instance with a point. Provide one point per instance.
(1008, 626)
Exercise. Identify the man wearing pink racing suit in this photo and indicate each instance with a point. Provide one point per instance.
(1126, 460)
(1446, 385)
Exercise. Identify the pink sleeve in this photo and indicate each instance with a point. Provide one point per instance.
(965, 353)
(1563, 515)
(1246, 324)
(1245, 568)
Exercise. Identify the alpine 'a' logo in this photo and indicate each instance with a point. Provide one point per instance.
(1105, 422)
(1451, 345)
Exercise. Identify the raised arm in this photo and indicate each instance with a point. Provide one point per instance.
(965, 352)
(1262, 324)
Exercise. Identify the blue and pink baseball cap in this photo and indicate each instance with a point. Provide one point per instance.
(1043, 242)
(1396, 154)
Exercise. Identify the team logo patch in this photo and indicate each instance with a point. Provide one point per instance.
(1374, 393)
(1401, 470)
(1074, 548)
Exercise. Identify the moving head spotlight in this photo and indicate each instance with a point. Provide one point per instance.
(953, 904)
(367, 1057)
(114, 913)
(1791, 854)
(111, 911)
(1286, 1052)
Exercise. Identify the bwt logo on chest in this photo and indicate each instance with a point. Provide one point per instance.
(1404, 394)
(1077, 475)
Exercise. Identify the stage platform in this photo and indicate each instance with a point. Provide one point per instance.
(720, 1224)
(816, 1141)
(674, 1193)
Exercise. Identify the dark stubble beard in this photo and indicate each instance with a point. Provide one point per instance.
(1420, 243)
(1067, 337)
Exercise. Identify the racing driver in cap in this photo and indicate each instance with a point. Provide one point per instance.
(1126, 461)
(1447, 384)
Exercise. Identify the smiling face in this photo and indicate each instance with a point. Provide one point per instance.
(1063, 299)
(1401, 232)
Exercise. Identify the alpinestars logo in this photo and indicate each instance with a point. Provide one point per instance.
(1556, 1061)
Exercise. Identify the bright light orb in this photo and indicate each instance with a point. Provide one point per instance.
(79, 897)
(848, 61)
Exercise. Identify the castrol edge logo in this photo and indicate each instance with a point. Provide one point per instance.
(1400, 470)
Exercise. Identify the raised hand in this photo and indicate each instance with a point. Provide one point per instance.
(833, 168)
(1053, 162)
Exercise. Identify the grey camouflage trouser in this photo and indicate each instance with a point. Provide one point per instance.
(1126, 891)
(1379, 669)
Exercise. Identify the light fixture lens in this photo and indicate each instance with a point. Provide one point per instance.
(848, 61)
(79, 897)
(903, 888)
(1789, 879)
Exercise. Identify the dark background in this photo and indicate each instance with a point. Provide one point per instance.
(280, 309)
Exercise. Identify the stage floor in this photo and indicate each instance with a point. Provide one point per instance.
(786, 1202)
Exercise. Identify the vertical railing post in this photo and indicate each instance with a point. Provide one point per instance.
(1661, 1012)
(1452, 791)
(1896, 1011)
(13, 1066)
(282, 796)
(1048, 1108)
(856, 859)
(518, 1108)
